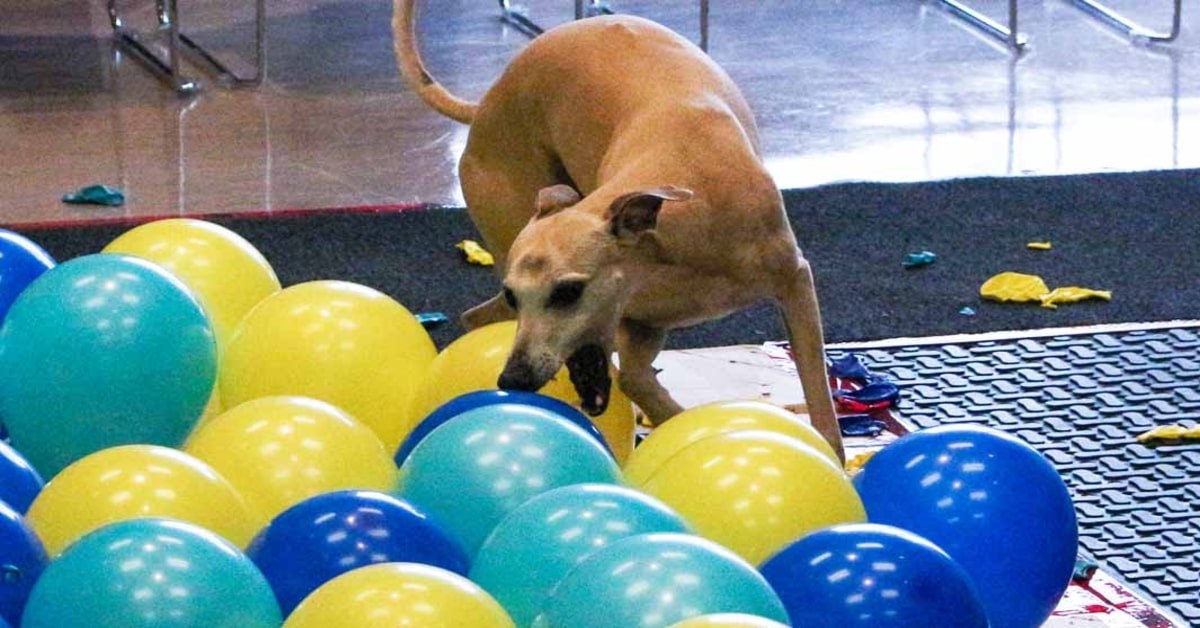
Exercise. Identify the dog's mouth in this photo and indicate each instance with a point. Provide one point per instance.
(588, 368)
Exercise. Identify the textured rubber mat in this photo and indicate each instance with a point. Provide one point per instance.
(1082, 399)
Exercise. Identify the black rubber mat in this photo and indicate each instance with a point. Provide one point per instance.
(1081, 399)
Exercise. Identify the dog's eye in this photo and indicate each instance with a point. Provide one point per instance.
(510, 298)
(565, 294)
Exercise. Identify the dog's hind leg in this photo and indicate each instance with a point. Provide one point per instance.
(797, 300)
(637, 346)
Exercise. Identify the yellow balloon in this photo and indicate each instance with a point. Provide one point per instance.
(474, 362)
(755, 491)
(279, 451)
(227, 274)
(721, 417)
(399, 594)
(728, 620)
(339, 342)
(134, 481)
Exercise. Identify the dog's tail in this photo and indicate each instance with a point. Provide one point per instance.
(408, 56)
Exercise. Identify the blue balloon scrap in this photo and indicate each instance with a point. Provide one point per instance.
(430, 320)
(877, 392)
(916, 260)
(849, 367)
(96, 195)
(861, 425)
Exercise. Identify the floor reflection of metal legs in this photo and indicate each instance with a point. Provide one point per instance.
(1135, 31)
(166, 65)
(518, 16)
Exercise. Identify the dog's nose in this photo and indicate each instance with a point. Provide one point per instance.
(518, 377)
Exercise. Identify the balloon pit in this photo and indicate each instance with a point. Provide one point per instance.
(519, 503)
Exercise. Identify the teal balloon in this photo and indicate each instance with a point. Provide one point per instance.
(656, 580)
(100, 351)
(537, 544)
(151, 572)
(475, 469)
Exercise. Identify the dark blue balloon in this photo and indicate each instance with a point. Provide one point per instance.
(21, 261)
(992, 502)
(479, 398)
(22, 560)
(19, 481)
(873, 575)
(327, 535)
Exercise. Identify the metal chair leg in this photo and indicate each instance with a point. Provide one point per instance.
(167, 67)
(1008, 35)
(1132, 29)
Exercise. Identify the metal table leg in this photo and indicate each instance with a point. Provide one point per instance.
(519, 17)
(167, 66)
(1008, 35)
(1129, 27)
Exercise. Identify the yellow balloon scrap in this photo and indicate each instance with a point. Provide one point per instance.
(475, 253)
(1071, 294)
(1170, 432)
(1039, 246)
(1017, 287)
(855, 464)
(1014, 287)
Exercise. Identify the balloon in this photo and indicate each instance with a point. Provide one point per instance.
(138, 481)
(99, 351)
(729, 620)
(478, 398)
(225, 272)
(278, 451)
(345, 344)
(328, 535)
(21, 261)
(992, 502)
(19, 481)
(754, 491)
(535, 546)
(399, 594)
(868, 574)
(474, 362)
(151, 572)
(22, 560)
(472, 471)
(657, 580)
(710, 419)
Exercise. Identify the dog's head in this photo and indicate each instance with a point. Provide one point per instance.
(567, 277)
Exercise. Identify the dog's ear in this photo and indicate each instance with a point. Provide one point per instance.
(635, 213)
(555, 198)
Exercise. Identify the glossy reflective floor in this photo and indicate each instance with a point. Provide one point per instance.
(872, 90)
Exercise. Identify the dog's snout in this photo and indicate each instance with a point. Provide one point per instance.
(518, 375)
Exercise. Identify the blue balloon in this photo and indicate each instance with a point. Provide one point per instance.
(657, 580)
(538, 543)
(992, 502)
(480, 398)
(19, 481)
(21, 261)
(471, 472)
(151, 572)
(330, 534)
(22, 560)
(99, 351)
(873, 575)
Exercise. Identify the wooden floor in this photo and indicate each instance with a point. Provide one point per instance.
(869, 89)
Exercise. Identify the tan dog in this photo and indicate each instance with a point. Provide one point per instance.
(614, 170)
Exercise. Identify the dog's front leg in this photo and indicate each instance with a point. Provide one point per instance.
(797, 299)
(638, 345)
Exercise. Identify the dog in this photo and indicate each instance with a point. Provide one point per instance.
(614, 171)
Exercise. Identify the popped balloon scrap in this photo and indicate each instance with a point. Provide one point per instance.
(96, 195)
(475, 253)
(1170, 432)
(916, 260)
(1018, 287)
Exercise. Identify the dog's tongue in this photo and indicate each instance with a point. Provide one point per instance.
(588, 367)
